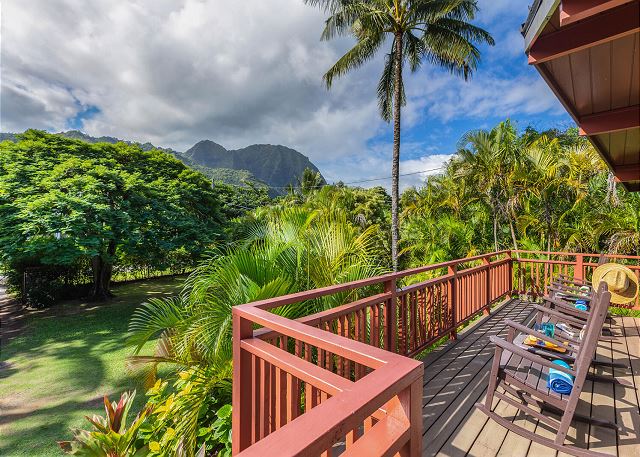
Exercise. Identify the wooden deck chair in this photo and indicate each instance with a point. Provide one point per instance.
(523, 377)
(568, 293)
(576, 283)
(560, 305)
(546, 315)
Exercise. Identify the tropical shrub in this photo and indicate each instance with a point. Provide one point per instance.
(194, 414)
(286, 251)
(279, 251)
(110, 435)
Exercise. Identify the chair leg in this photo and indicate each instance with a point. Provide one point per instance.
(528, 434)
(493, 377)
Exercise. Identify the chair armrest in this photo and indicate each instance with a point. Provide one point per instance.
(537, 334)
(574, 280)
(558, 314)
(528, 355)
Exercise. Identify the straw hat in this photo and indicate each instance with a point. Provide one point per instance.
(621, 281)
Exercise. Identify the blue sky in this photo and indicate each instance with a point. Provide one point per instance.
(173, 72)
(503, 66)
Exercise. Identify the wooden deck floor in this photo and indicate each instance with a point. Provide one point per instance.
(456, 377)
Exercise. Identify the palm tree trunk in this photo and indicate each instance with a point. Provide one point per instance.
(513, 237)
(495, 231)
(395, 163)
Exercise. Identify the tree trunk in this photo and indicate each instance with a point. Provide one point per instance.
(513, 237)
(395, 163)
(102, 272)
(495, 231)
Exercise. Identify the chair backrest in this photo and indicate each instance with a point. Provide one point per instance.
(595, 322)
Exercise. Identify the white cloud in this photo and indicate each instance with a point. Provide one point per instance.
(373, 168)
(173, 72)
(485, 96)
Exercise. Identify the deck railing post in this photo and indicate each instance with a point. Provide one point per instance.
(411, 401)
(241, 419)
(487, 300)
(510, 278)
(453, 299)
(390, 317)
(578, 272)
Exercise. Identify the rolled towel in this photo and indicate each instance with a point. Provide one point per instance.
(559, 381)
(581, 305)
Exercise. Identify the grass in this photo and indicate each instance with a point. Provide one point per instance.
(58, 369)
(624, 312)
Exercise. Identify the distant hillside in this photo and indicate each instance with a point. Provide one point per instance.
(278, 166)
(263, 164)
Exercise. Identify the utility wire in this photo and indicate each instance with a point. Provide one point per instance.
(365, 180)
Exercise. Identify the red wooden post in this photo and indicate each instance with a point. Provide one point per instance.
(390, 318)
(453, 299)
(241, 418)
(411, 401)
(578, 272)
(510, 273)
(487, 300)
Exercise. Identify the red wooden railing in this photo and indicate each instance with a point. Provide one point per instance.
(338, 382)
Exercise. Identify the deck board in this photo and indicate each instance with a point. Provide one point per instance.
(456, 377)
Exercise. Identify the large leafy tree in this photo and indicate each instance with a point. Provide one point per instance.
(64, 202)
(433, 31)
(534, 190)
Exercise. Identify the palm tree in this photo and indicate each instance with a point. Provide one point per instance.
(285, 251)
(436, 31)
(490, 161)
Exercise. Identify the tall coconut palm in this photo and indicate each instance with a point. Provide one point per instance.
(435, 31)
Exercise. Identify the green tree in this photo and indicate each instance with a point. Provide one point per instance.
(435, 31)
(310, 181)
(64, 202)
(236, 200)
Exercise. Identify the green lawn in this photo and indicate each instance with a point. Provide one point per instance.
(61, 365)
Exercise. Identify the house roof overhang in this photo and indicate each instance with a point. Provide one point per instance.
(588, 52)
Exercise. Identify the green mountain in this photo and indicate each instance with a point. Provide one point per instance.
(277, 166)
(268, 165)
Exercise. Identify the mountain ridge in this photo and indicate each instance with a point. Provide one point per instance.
(268, 165)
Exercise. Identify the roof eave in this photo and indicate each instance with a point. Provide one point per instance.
(539, 14)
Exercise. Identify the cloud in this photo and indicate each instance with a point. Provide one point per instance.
(487, 96)
(173, 72)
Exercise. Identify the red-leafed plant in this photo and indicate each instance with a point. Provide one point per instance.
(110, 436)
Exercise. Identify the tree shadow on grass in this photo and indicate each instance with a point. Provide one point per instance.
(59, 368)
(36, 433)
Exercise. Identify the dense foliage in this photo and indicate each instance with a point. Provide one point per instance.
(504, 190)
(71, 205)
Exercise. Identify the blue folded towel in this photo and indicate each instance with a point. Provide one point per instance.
(559, 381)
(581, 305)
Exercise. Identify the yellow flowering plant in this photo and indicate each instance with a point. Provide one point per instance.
(190, 417)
